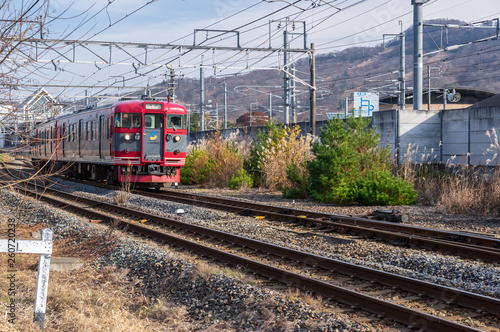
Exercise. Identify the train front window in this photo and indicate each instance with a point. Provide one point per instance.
(176, 121)
(153, 121)
(127, 120)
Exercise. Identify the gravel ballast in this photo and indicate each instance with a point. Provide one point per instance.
(213, 301)
(452, 271)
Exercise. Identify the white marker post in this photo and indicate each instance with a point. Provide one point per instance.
(44, 249)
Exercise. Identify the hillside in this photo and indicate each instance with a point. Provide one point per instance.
(341, 73)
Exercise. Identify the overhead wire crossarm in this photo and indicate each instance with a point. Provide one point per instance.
(161, 46)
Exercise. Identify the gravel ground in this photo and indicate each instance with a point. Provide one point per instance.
(423, 216)
(215, 302)
(467, 274)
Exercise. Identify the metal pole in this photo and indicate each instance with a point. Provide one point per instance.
(312, 91)
(418, 52)
(429, 84)
(286, 80)
(346, 106)
(217, 116)
(445, 91)
(172, 85)
(202, 100)
(225, 104)
(293, 100)
(270, 106)
(402, 83)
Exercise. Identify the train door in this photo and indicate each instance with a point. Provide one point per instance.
(152, 143)
(101, 134)
(52, 144)
(63, 139)
(80, 128)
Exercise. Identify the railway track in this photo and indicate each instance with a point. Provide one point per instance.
(254, 255)
(475, 246)
(457, 243)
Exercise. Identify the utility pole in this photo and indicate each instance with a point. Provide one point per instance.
(202, 97)
(418, 52)
(250, 116)
(402, 79)
(286, 77)
(217, 116)
(271, 106)
(346, 104)
(172, 86)
(225, 104)
(429, 68)
(402, 67)
(312, 91)
(293, 99)
(429, 85)
(445, 92)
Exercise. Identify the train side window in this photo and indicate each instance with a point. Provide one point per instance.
(128, 120)
(92, 131)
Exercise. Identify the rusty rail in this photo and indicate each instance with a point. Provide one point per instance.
(450, 295)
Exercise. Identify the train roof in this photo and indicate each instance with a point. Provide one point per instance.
(93, 107)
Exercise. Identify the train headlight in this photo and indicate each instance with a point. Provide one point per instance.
(127, 137)
(177, 138)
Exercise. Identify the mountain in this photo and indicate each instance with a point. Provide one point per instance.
(341, 73)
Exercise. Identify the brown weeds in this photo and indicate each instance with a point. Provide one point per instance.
(291, 149)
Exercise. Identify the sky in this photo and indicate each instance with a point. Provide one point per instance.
(331, 25)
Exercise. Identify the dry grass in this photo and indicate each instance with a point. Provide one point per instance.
(88, 300)
(292, 149)
(121, 197)
(455, 188)
(203, 270)
(471, 191)
(85, 299)
(226, 160)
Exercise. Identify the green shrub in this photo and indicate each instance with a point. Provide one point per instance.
(240, 179)
(382, 188)
(350, 168)
(299, 182)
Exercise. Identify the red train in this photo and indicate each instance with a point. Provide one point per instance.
(142, 142)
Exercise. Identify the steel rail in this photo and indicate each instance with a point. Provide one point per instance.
(401, 234)
(477, 246)
(346, 225)
(326, 218)
(448, 294)
(407, 316)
